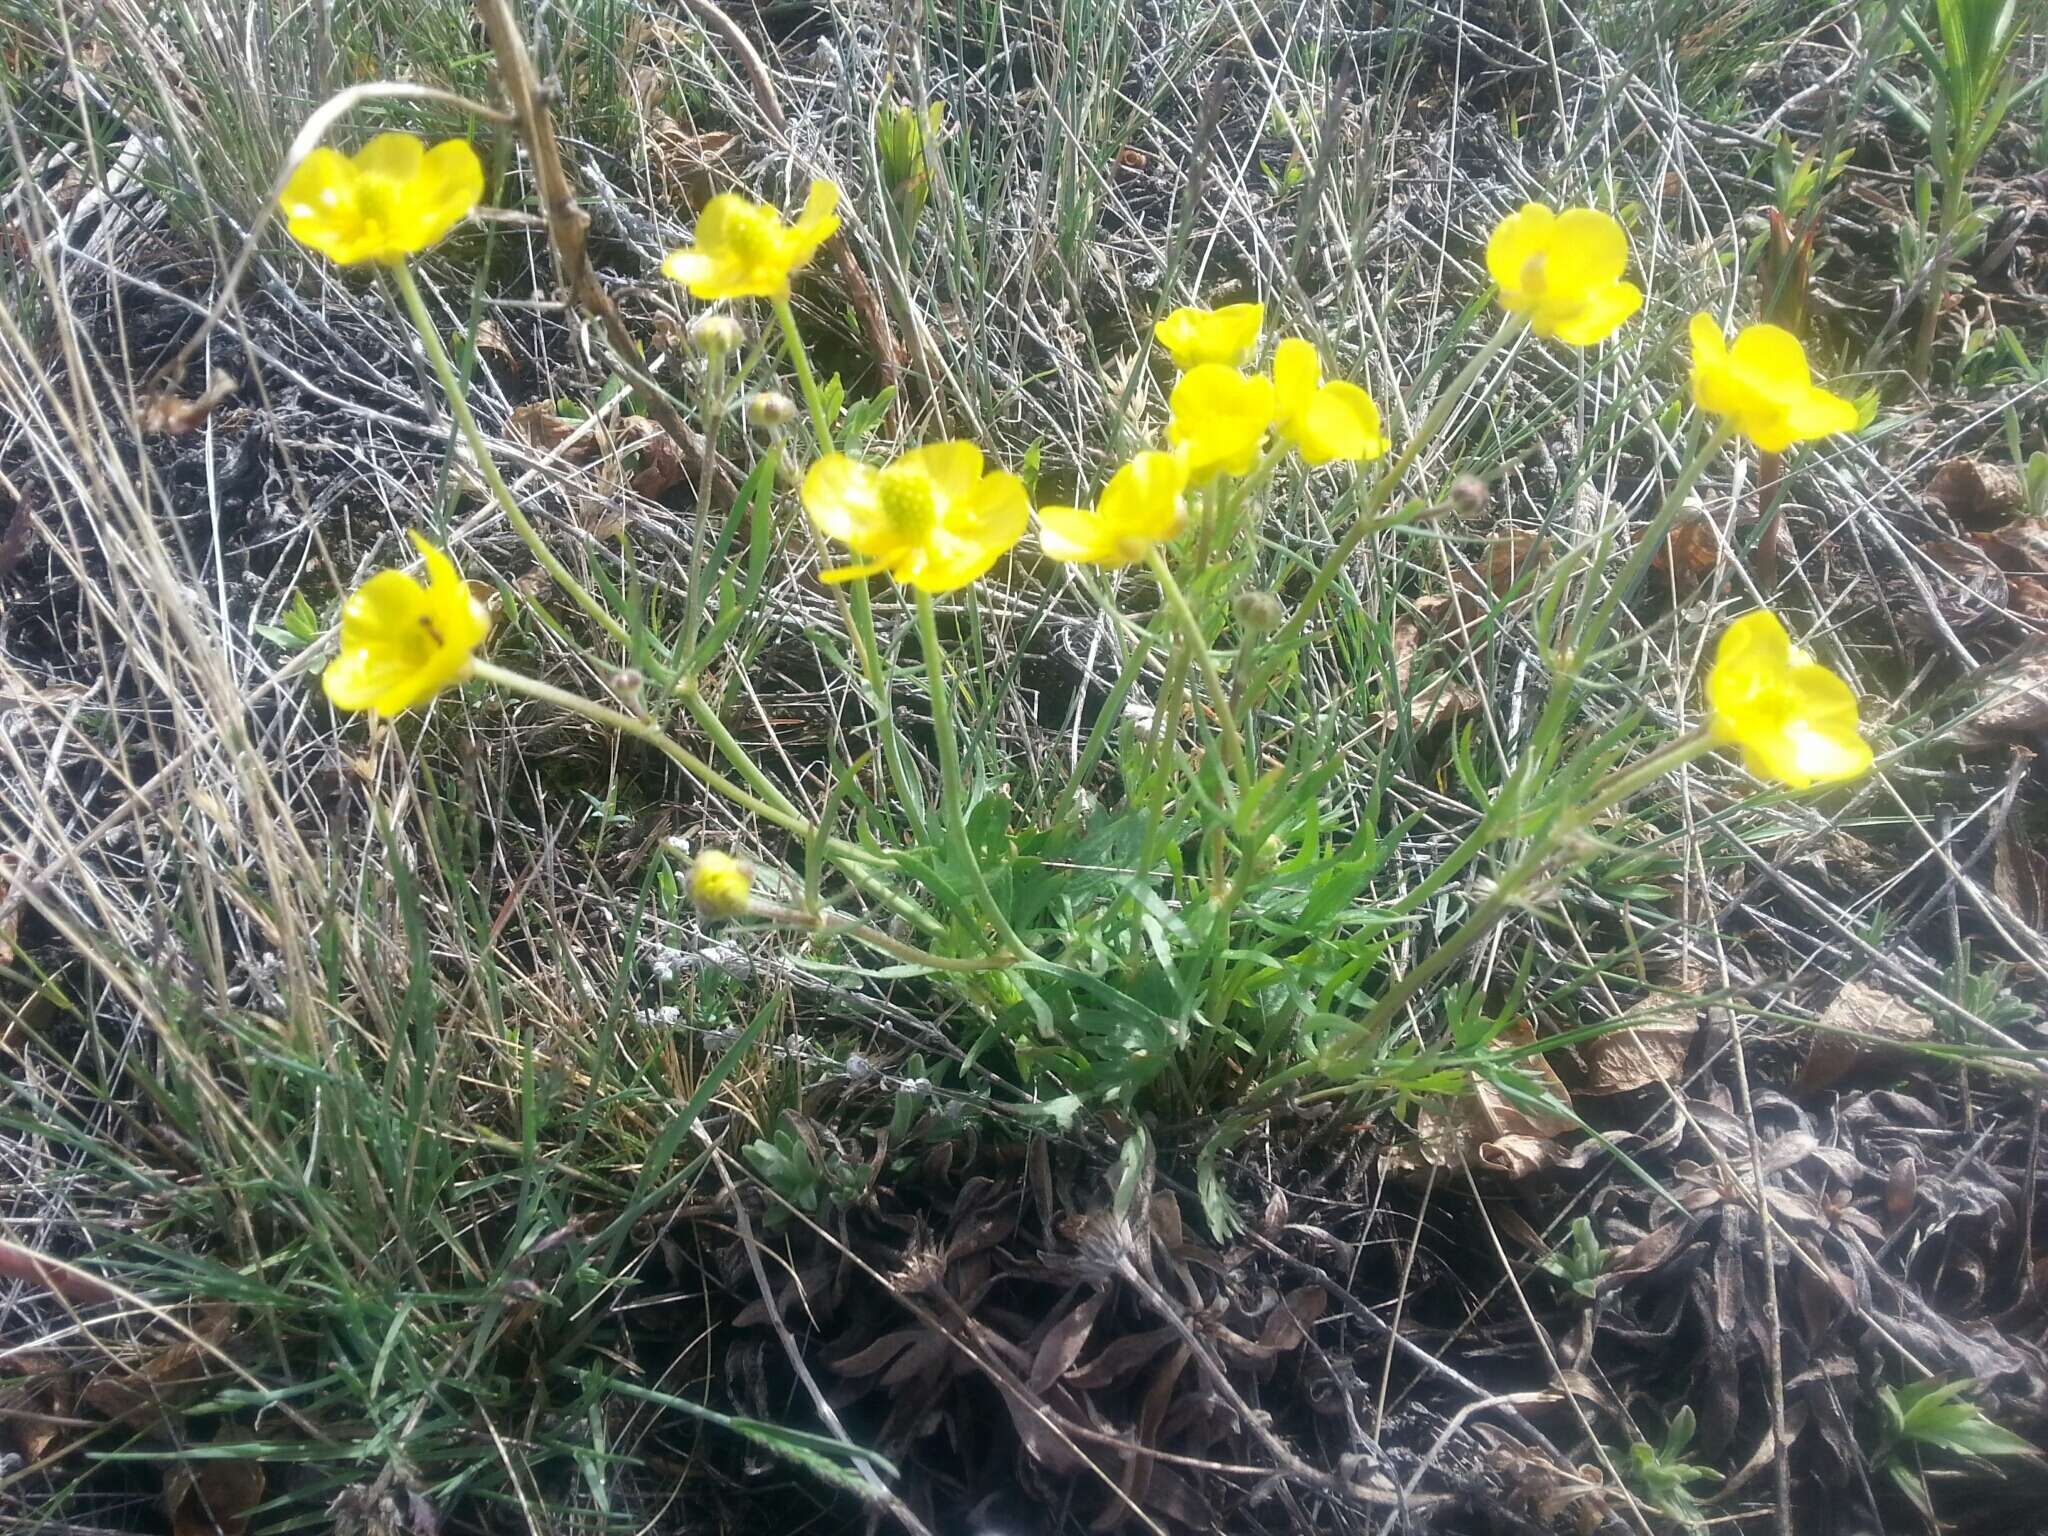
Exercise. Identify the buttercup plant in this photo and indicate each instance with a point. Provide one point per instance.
(1241, 994)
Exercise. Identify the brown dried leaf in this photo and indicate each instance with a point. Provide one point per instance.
(1637, 1055)
(169, 414)
(2015, 704)
(1440, 699)
(1976, 591)
(2020, 548)
(1978, 496)
(1062, 1346)
(1864, 1024)
(2019, 874)
(1509, 560)
(1299, 1310)
(1647, 1253)
(661, 461)
(493, 342)
(688, 167)
(2028, 598)
(1692, 550)
(214, 1497)
(1481, 1127)
(37, 1408)
(537, 425)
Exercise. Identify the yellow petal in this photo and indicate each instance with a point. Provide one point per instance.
(688, 267)
(1341, 423)
(1600, 315)
(815, 225)
(448, 185)
(1143, 498)
(1196, 336)
(1519, 237)
(1588, 251)
(1708, 347)
(324, 179)
(972, 536)
(952, 467)
(1819, 414)
(394, 156)
(1297, 371)
(840, 496)
(835, 574)
(1072, 534)
(1219, 417)
(1771, 360)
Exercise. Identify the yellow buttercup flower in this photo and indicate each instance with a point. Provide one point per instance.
(391, 199)
(743, 250)
(401, 642)
(720, 885)
(1219, 419)
(1330, 421)
(1763, 386)
(1140, 507)
(933, 519)
(1794, 720)
(1563, 271)
(1229, 335)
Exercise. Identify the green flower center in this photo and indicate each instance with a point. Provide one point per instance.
(908, 503)
(377, 200)
(751, 239)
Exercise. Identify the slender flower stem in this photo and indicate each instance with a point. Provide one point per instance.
(715, 378)
(458, 404)
(799, 359)
(845, 927)
(654, 736)
(851, 856)
(708, 722)
(1367, 520)
(953, 789)
(1219, 695)
(1526, 871)
(859, 606)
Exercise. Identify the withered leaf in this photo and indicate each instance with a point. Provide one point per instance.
(537, 425)
(1975, 592)
(1691, 551)
(214, 1497)
(38, 1403)
(1062, 1346)
(2019, 875)
(1299, 1310)
(2014, 704)
(660, 465)
(1863, 1024)
(1121, 1358)
(145, 1394)
(1482, 1126)
(1978, 496)
(1636, 1055)
(1646, 1254)
(169, 414)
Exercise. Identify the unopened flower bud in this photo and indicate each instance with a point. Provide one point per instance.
(1258, 611)
(720, 885)
(769, 409)
(1469, 496)
(712, 334)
